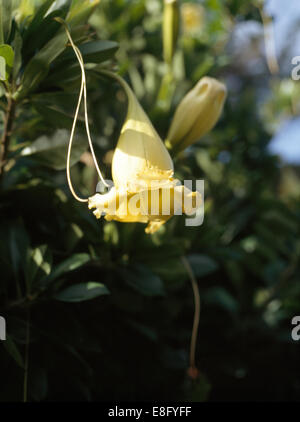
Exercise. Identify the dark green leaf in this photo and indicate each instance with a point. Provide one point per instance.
(202, 265)
(55, 116)
(141, 278)
(12, 349)
(221, 297)
(82, 291)
(38, 18)
(38, 67)
(45, 31)
(17, 44)
(95, 51)
(146, 331)
(18, 245)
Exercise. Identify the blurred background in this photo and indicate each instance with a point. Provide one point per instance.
(127, 337)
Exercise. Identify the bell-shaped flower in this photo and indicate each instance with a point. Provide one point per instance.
(196, 114)
(142, 171)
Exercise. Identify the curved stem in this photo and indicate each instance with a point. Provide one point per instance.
(196, 313)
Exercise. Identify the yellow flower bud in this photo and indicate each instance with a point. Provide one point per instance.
(197, 113)
(170, 28)
(142, 171)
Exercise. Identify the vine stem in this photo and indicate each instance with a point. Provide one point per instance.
(26, 363)
(193, 369)
(5, 140)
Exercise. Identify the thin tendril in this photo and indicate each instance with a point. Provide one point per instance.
(70, 146)
(80, 59)
(83, 92)
(196, 313)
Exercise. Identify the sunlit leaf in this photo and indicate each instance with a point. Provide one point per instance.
(75, 261)
(6, 61)
(2, 69)
(38, 264)
(52, 152)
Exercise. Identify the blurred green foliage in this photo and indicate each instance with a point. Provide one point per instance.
(100, 310)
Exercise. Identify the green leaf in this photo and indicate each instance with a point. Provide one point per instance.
(56, 117)
(70, 264)
(38, 18)
(63, 76)
(98, 51)
(111, 233)
(170, 269)
(38, 264)
(1, 24)
(46, 30)
(18, 244)
(52, 152)
(5, 19)
(6, 54)
(146, 331)
(202, 265)
(95, 51)
(2, 90)
(221, 297)
(2, 69)
(17, 44)
(141, 279)
(82, 291)
(38, 67)
(80, 11)
(73, 235)
(12, 349)
(62, 99)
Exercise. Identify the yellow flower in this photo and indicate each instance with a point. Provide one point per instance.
(142, 171)
(197, 113)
